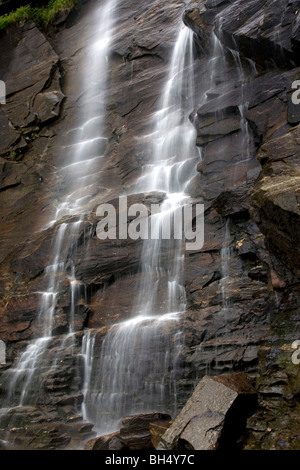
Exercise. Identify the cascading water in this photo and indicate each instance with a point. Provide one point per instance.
(82, 164)
(224, 94)
(220, 71)
(136, 370)
(225, 258)
(243, 107)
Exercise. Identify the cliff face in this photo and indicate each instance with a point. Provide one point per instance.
(242, 287)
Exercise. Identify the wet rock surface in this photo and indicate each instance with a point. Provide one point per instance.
(242, 286)
(135, 430)
(109, 442)
(274, 197)
(136, 433)
(201, 423)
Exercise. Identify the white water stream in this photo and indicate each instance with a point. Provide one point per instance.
(83, 155)
(137, 368)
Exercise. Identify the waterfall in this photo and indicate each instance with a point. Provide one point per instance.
(224, 66)
(137, 368)
(81, 164)
(225, 258)
(138, 364)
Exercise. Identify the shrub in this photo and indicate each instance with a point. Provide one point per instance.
(22, 13)
(42, 16)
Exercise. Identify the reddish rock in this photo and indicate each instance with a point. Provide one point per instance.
(107, 442)
(135, 430)
(157, 430)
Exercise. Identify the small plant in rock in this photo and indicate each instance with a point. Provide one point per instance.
(12, 155)
(42, 16)
(22, 13)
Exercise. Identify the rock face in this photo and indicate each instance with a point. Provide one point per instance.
(135, 430)
(109, 442)
(135, 433)
(201, 423)
(262, 30)
(242, 287)
(275, 199)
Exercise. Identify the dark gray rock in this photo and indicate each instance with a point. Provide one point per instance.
(200, 424)
(107, 442)
(32, 71)
(234, 199)
(194, 19)
(135, 430)
(295, 36)
(215, 3)
(213, 126)
(261, 29)
(274, 198)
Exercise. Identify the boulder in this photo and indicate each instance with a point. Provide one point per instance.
(137, 433)
(135, 430)
(157, 430)
(108, 442)
(218, 402)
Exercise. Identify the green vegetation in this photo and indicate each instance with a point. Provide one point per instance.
(12, 155)
(22, 13)
(42, 16)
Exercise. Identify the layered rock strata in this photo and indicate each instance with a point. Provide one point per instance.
(242, 287)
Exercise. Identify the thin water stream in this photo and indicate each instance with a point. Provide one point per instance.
(137, 370)
(25, 378)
